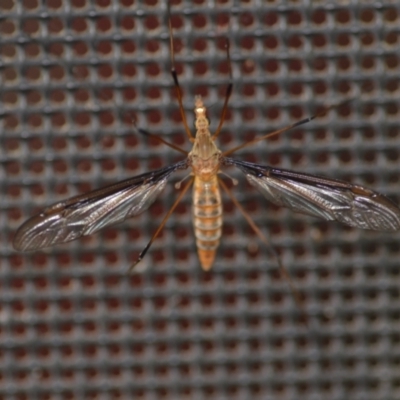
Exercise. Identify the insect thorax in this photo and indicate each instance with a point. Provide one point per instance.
(205, 158)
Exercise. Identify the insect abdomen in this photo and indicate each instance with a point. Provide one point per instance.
(207, 219)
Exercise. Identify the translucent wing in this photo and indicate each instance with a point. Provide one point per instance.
(330, 199)
(85, 214)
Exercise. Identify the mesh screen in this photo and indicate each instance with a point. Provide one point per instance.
(73, 325)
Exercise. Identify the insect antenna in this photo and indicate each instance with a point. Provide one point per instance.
(284, 272)
(178, 89)
(227, 93)
(286, 128)
(163, 222)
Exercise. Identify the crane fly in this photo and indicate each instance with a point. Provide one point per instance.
(326, 198)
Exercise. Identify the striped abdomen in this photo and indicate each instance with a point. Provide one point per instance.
(207, 219)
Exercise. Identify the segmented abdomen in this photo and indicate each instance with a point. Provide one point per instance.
(207, 219)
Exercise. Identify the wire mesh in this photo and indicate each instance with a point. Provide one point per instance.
(76, 75)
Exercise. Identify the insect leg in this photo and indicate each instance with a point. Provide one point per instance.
(227, 93)
(160, 139)
(178, 89)
(286, 128)
(163, 222)
(264, 239)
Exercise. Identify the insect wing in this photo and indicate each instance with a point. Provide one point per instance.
(329, 199)
(85, 214)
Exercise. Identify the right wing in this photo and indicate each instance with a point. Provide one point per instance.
(87, 213)
(326, 198)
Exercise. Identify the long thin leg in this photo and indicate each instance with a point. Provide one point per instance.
(163, 222)
(286, 128)
(146, 133)
(160, 139)
(264, 239)
(178, 89)
(227, 93)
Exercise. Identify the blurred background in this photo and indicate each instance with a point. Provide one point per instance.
(75, 75)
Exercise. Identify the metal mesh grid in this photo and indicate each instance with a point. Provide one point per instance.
(73, 325)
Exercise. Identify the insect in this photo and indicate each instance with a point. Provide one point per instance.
(326, 198)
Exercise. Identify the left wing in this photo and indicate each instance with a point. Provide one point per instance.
(329, 199)
(87, 213)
